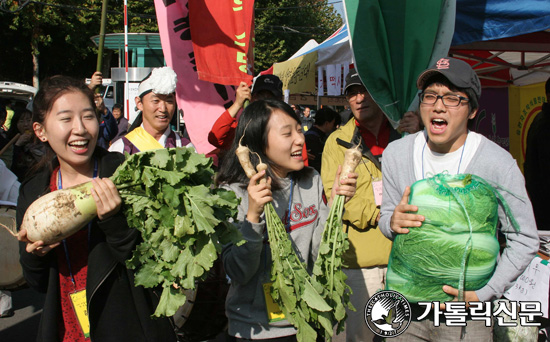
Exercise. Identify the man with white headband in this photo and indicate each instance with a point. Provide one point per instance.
(157, 103)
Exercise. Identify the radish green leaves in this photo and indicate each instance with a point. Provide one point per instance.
(182, 218)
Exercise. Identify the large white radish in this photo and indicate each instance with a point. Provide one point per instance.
(352, 158)
(59, 214)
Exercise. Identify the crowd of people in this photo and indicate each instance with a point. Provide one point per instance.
(70, 137)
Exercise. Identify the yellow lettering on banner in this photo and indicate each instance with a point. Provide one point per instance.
(240, 37)
(241, 57)
(238, 2)
(297, 74)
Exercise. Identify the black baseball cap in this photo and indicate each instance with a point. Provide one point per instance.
(458, 72)
(271, 83)
(352, 78)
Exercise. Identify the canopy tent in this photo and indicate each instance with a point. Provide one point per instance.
(507, 42)
(519, 60)
(504, 40)
(334, 50)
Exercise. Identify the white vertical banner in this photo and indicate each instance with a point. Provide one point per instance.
(320, 82)
(286, 95)
(346, 72)
(334, 79)
(133, 92)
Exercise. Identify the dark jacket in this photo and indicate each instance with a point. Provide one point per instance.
(108, 129)
(118, 310)
(122, 128)
(537, 165)
(315, 143)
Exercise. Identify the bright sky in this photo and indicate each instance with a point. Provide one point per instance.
(339, 7)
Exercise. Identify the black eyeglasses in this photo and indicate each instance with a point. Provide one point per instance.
(448, 100)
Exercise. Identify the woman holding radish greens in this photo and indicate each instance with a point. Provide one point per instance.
(271, 131)
(90, 294)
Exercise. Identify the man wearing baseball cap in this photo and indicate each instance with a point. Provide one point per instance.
(265, 87)
(449, 95)
(366, 259)
(157, 103)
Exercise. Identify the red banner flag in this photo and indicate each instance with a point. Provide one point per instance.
(221, 32)
(201, 102)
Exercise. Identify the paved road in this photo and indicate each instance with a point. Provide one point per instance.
(23, 325)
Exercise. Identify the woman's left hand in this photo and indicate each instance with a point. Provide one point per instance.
(106, 196)
(469, 296)
(345, 187)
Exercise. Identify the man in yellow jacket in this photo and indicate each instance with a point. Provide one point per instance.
(367, 258)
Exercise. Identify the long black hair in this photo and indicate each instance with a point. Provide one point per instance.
(254, 120)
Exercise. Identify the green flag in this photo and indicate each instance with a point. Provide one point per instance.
(393, 42)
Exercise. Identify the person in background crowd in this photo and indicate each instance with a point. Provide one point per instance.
(6, 156)
(9, 190)
(345, 115)
(366, 259)
(274, 133)
(88, 274)
(307, 119)
(27, 150)
(108, 125)
(296, 110)
(265, 87)
(157, 103)
(118, 114)
(9, 114)
(223, 131)
(537, 163)
(448, 101)
(326, 121)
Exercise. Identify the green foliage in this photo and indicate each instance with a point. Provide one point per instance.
(299, 296)
(59, 32)
(284, 26)
(328, 267)
(169, 197)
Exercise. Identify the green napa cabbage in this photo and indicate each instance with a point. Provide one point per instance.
(456, 244)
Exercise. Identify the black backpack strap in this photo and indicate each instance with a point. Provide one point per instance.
(365, 150)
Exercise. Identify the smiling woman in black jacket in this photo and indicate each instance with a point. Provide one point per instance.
(90, 294)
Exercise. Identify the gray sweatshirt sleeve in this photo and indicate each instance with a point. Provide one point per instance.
(242, 262)
(323, 215)
(395, 177)
(390, 199)
(521, 246)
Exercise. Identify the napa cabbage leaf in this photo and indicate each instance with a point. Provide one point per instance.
(457, 243)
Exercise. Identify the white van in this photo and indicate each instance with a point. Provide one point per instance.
(17, 92)
(107, 91)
